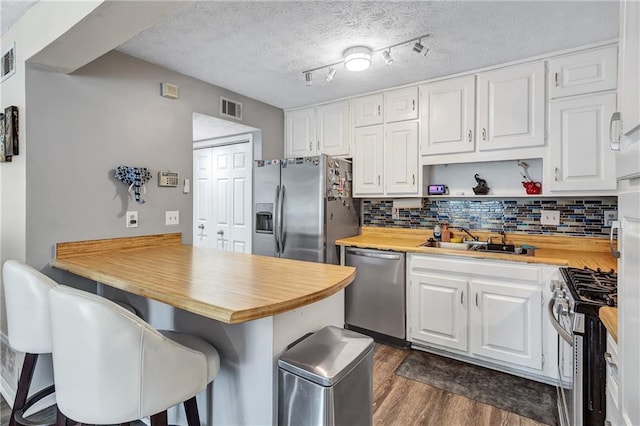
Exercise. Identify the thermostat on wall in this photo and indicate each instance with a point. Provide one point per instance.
(168, 179)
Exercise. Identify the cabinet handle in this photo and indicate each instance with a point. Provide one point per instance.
(613, 365)
(469, 135)
(414, 179)
(378, 179)
(614, 142)
(310, 145)
(556, 171)
(318, 146)
(462, 297)
(413, 105)
(484, 134)
(476, 299)
(556, 78)
(614, 227)
(378, 109)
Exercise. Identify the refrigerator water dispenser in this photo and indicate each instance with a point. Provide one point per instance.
(264, 218)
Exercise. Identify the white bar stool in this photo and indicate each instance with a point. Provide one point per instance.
(112, 367)
(26, 294)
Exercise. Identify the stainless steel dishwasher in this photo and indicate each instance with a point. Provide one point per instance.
(375, 301)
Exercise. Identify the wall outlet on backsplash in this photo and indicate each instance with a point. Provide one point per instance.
(550, 217)
(609, 217)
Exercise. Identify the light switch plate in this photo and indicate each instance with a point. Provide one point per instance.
(132, 219)
(550, 217)
(172, 217)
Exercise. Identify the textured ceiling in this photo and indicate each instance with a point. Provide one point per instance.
(259, 49)
(11, 11)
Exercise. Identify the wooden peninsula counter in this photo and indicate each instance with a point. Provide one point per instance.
(250, 307)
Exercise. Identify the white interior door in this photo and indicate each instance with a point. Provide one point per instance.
(222, 197)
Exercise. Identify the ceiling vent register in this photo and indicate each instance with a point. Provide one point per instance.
(231, 109)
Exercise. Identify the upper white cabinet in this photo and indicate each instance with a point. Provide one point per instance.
(385, 160)
(300, 133)
(629, 66)
(585, 72)
(401, 104)
(368, 110)
(368, 163)
(447, 116)
(580, 158)
(511, 107)
(322, 130)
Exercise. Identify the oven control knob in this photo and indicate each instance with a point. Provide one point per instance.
(562, 307)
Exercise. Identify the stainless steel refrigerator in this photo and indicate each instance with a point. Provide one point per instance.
(301, 206)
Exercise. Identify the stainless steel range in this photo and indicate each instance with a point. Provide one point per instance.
(582, 342)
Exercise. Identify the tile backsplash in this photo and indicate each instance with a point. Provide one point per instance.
(582, 217)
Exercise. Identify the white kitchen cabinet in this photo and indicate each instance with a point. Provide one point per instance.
(438, 304)
(401, 104)
(629, 66)
(368, 161)
(447, 116)
(368, 110)
(585, 72)
(401, 158)
(614, 416)
(579, 155)
(506, 321)
(300, 133)
(485, 311)
(510, 107)
(325, 129)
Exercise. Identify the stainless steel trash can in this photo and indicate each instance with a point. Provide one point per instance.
(327, 379)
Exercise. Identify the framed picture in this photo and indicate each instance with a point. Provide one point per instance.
(11, 131)
(3, 157)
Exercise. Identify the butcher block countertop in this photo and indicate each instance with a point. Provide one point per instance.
(225, 286)
(576, 252)
(609, 317)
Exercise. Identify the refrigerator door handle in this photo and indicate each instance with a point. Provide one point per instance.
(281, 218)
(276, 231)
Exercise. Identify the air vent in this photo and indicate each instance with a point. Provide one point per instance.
(231, 109)
(9, 62)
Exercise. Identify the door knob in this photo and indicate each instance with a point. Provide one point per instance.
(201, 226)
(220, 232)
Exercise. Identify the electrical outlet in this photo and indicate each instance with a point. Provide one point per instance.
(609, 217)
(550, 217)
(132, 219)
(172, 217)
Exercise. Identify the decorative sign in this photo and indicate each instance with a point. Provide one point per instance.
(9, 145)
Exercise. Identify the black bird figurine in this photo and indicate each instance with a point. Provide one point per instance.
(481, 188)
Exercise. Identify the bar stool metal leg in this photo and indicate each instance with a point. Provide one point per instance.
(24, 383)
(159, 419)
(191, 409)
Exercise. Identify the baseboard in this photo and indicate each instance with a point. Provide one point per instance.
(7, 390)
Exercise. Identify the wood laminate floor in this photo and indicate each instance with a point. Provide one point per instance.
(400, 401)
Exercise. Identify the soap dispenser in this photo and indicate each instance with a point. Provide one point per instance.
(437, 232)
(446, 233)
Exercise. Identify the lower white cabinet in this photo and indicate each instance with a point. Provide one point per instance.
(614, 414)
(486, 310)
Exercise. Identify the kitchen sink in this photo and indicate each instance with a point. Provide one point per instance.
(482, 247)
(447, 245)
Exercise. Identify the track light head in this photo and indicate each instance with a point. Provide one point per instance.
(418, 47)
(308, 77)
(331, 74)
(386, 55)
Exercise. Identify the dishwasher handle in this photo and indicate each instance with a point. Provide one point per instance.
(375, 255)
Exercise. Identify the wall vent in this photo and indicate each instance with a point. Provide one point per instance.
(8, 67)
(231, 109)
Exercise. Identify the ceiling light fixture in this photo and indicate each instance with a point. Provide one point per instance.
(358, 58)
(331, 74)
(386, 55)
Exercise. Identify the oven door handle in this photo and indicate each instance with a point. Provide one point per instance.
(568, 337)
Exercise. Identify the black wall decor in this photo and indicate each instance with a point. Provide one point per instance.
(3, 157)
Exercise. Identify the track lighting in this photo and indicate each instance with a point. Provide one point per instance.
(386, 55)
(358, 58)
(332, 73)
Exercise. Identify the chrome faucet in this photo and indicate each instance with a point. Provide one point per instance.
(504, 237)
(466, 231)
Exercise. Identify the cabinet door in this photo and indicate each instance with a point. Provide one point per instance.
(333, 128)
(629, 300)
(401, 158)
(580, 158)
(510, 107)
(368, 166)
(438, 311)
(586, 72)
(401, 104)
(447, 116)
(629, 66)
(506, 322)
(368, 110)
(300, 133)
